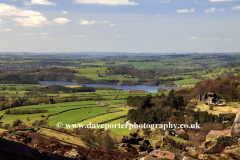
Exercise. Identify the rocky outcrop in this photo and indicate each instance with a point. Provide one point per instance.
(162, 154)
(131, 142)
(232, 152)
(12, 150)
(193, 152)
(222, 144)
(213, 134)
(235, 132)
(18, 136)
(218, 145)
(124, 146)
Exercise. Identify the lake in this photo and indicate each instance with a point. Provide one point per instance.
(151, 89)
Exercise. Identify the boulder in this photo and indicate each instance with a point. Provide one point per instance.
(138, 148)
(218, 145)
(232, 153)
(149, 158)
(162, 154)
(213, 134)
(235, 132)
(144, 153)
(145, 145)
(193, 152)
(129, 139)
(57, 152)
(126, 147)
(188, 158)
(73, 154)
(207, 156)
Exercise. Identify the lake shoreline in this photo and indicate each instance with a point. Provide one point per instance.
(148, 88)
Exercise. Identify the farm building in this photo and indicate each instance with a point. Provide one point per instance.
(211, 100)
(209, 97)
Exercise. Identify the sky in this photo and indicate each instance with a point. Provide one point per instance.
(138, 26)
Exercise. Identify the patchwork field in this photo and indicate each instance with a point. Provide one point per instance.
(81, 112)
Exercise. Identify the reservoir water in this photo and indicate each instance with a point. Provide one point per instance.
(151, 89)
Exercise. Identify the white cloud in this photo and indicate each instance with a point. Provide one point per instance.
(221, 10)
(41, 2)
(165, 1)
(185, 10)
(105, 22)
(61, 20)
(192, 38)
(158, 15)
(210, 10)
(11, 10)
(0, 20)
(33, 21)
(222, 40)
(82, 36)
(235, 8)
(222, 0)
(211, 38)
(196, 1)
(85, 22)
(6, 30)
(106, 2)
(64, 12)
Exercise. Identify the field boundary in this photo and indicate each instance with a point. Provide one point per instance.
(66, 111)
(99, 115)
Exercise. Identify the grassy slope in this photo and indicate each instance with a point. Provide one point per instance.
(217, 109)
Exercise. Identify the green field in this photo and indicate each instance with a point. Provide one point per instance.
(74, 116)
(106, 117)
(187, 81)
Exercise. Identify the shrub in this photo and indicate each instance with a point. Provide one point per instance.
(36, 138)
(38, 123)
(16, 123)
(210, 107)
(22, 126)
(11, 88)
(6, 126)
(184, 136)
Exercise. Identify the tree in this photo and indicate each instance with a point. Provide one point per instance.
(107, 142)
(147, 132)
(97, 97)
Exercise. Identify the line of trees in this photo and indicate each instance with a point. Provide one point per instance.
(25, 111)
(55, 89)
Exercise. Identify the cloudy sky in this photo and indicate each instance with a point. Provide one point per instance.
(120, 26)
